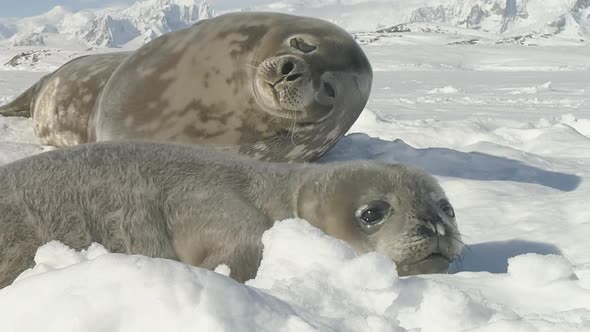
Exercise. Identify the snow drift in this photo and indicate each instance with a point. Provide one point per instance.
(307, 282)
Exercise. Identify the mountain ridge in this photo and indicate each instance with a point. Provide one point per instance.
(147, 19)
(139, 23)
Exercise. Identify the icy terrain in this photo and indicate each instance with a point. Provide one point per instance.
(504, 127)
(508, 21)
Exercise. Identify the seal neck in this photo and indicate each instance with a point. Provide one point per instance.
(279, 202)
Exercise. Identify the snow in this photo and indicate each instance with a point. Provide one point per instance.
(307, 281)
(446, 90)
(503, 127)
(534, 269)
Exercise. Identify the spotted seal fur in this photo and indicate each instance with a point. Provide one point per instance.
(267, 85)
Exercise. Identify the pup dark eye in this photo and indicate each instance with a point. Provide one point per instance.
(447, 208)
(372, 214)
(301, 45)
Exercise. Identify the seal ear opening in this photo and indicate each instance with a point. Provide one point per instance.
(305, 206)
(312, 196)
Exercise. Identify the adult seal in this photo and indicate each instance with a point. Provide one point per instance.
(271, 86)
(205, 207)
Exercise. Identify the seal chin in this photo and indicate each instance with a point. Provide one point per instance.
(433, 263)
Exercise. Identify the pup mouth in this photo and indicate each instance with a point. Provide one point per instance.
(433, 263)
(435, 256)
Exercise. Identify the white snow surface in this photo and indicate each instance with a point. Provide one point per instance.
(504, 128)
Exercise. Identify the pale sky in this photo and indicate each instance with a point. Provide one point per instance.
(22, 8)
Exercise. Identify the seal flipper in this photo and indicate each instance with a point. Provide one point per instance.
(21, 106)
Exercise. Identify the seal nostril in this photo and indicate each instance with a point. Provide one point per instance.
(287, 68)
(329, 90)
(293, 77)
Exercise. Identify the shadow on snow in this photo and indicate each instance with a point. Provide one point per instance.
(448, 162)
(493, 256)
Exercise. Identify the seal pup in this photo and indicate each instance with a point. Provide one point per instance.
(205, 207)
(271, 86)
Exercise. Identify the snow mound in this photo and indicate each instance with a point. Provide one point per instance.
(446, 90)
(113, 292)
(107, 291)
(307, 281)
(581, 125)
(545, 87)
(299, 260)
(538, 269)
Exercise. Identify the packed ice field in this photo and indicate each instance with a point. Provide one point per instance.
(504, 128)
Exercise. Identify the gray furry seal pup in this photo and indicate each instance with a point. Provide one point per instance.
(271, 86)
(205, 207)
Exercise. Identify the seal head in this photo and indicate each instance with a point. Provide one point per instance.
(308, 75)
(402, 213)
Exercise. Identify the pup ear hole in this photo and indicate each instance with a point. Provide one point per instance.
(305, 206)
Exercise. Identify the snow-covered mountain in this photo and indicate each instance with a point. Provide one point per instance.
(512, 16)
(145, 20)
(30, 39)
(6, 31)
(148, 19)
(501, 17)
(142, 22)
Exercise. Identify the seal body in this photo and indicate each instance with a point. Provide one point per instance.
(65, 99)
(61, 102)
(271, 86)
(206, 207)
